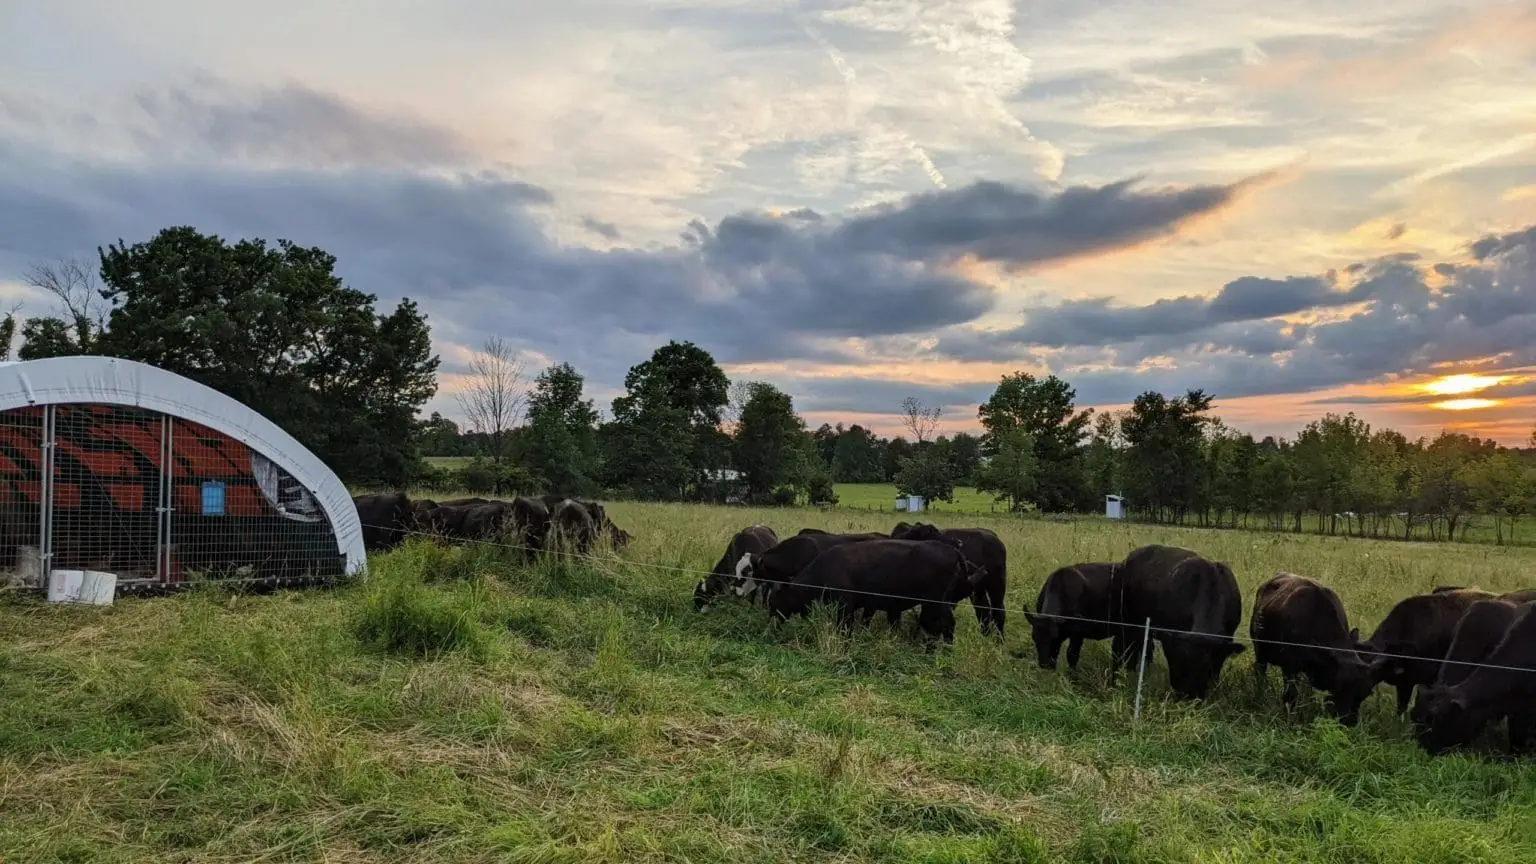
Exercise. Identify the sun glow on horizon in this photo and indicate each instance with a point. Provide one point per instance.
(1465, 404)
(1456, 385)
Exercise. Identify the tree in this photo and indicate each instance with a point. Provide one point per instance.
(964, 453)
(1010, 473)
(771, 446)
(667, 424)
(1165, 453)
(1045, 409)
(80, 316)
(560, 443)
(926, 474)
(275, 328)
(1102, 470)
(896, 450)
(439, 436)
(495, 394)
(919, 418)
(859, 457)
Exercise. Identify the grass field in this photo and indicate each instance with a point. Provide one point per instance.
(462, 707)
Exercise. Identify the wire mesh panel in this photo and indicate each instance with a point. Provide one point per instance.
(237, 515)
(21, 495)
(105, 501)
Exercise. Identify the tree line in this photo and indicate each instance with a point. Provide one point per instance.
(274, 327)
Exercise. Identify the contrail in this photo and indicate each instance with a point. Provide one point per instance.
(850, 80)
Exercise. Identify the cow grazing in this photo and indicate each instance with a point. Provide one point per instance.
(761, 573)
(1194, 600)
(1407, 646)
(982, 546)
(1505, 686)
(747, 541)
(1308, 617)
(1477, 636)
(1073, 605)
(385, 518)
(885, 575)
(571, 527)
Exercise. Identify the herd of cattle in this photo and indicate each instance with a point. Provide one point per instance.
(1470, 653)
(532, 524)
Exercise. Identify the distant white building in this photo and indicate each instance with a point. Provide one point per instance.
(1114, 506)
(909, 503)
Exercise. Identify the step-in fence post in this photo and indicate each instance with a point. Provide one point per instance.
(1141, 674)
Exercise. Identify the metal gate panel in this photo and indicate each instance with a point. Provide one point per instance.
(22, 483)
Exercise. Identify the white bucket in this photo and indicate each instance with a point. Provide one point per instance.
(91, 587)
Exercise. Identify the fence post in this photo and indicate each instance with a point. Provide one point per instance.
(1141, 674)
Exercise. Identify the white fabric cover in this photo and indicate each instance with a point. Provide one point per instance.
(114, 381)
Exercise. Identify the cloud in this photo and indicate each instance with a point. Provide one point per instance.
(477, 250)
(210, 119)
(1413, 315)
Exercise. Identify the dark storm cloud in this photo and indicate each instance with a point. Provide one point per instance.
(1250, 298)
(605, 230)
(998, 222)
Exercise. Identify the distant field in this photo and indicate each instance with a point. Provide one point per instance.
(882, 496)
(450, 463)
(463, 706)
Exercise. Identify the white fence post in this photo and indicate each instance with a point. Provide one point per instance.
(1141, 675)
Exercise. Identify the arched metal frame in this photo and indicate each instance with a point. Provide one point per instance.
(80, 381)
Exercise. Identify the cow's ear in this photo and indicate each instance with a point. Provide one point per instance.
(1354, 636)
(1029, 616)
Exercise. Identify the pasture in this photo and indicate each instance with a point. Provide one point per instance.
(463, 706)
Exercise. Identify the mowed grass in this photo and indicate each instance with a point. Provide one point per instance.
(463, 707)
(882, 496)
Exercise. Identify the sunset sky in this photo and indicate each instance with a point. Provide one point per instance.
(1308, 207)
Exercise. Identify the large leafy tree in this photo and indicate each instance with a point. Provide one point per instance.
(275, 328)
(926, 473)
(1010, 473)
(1165, 455)
(1044, 408)
(771, 445)
(560, 442)
(667, 424)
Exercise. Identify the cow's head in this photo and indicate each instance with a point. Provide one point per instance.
(1443, 719)
(745, 568)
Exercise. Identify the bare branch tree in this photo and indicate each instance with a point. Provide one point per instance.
(73, 283)
(497, 393)
(736, 399)
(920, 419)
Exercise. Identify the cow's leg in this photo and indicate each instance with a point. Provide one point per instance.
(893, 618)
(1074, 651)
(1260, 676)
(1522, 726)
(1404, 694)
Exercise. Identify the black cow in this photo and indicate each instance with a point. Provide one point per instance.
(1194, 600)
(982, 546)
(385, 518)
(1410, 642)
(756, 539)
(1308, 617)
(761, 573)
(889, 576)
(1505, 686)
(1073, 605)
(571, 527)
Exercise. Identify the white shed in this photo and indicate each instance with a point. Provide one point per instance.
(909, 503)
(1114, 506)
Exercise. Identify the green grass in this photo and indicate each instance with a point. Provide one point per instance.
(463, 707)
(448, 463)
(882, 496)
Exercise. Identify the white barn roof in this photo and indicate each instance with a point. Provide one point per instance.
(114, 381)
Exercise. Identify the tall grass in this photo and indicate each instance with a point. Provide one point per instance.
(464, 705)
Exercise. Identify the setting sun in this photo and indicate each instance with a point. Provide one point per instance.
(1465, 404)
(1455, 385)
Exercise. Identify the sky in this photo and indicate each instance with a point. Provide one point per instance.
(1303, 207)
